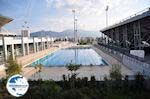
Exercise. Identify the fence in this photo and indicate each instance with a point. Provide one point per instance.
(136, 65)
(133, 63)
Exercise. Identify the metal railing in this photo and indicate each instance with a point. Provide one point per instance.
(132, 62)
(136, 14)
(123, 51)
(127, 18)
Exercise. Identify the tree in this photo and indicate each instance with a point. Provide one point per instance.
(39, 67)
(139, 81)
(115, 72)
(64, 77)
(12, 67)
(73, 68)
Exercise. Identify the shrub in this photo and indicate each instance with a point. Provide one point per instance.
(64, 77)
(12, 67)
(139, 79)
(115, 72)
(93, 78)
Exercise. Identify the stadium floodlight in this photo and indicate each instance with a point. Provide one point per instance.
(107, 8)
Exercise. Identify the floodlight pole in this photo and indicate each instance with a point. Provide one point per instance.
(107, 7)
(74, 24)
(76, 35)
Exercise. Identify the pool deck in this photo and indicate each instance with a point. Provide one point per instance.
(28, 59)
(55, 73)
(28, 71)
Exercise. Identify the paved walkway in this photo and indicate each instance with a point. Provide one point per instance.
(111, 60)
(55, 73)
(26, 60)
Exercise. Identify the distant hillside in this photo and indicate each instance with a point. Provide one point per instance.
(68, 33)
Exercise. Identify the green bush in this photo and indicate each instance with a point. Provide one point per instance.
(12, 67)
(115, 72)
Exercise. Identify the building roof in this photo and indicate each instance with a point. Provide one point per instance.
(142, 14)
(4, 20)
(7, 34)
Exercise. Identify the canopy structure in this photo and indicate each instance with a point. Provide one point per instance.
(131, 33)
(4, 32)
(4, 20)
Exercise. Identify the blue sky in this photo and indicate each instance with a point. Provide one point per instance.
(57, 15)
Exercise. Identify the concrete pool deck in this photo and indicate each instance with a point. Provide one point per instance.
(55, 73)
(28, 71)
(28, 59)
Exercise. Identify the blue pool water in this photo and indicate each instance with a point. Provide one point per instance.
(81, 56)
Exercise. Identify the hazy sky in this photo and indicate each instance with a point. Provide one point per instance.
(57, 15)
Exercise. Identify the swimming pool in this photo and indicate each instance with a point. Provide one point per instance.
(80, 56)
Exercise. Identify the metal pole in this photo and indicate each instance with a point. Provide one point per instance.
(76, 40)
(106, 15)
(76, 36)
(74, 27)
(74, 23)
(106, 19)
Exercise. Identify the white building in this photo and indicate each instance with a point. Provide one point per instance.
(19, 46)
(25, 33)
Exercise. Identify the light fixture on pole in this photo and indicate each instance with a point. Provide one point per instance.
(107, 7)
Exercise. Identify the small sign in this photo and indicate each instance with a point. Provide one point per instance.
(139, 53)
(17, 85)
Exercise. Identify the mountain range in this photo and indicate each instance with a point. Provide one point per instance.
(66, 33)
